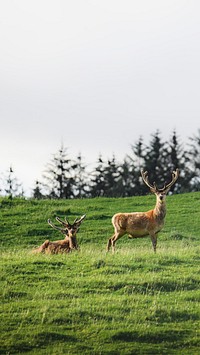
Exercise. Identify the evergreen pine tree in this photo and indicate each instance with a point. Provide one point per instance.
(80, 177)
(194, 161)
(12, 187)
(127, 185)
(37, 191)
(176, 157)
(136, 163)
(111, 178)
(139, 152)
(154, 159)
(59, 176)
(97, 183)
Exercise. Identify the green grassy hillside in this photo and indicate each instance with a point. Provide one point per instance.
(91, 302)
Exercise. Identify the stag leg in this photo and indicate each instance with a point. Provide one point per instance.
(112, 241)
(154, 241)
(42, 247)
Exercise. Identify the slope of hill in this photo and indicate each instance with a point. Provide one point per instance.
(132, 302)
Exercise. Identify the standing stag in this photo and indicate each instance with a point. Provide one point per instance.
(66, 245)
(142, 224)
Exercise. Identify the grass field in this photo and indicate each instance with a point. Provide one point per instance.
(91, 302)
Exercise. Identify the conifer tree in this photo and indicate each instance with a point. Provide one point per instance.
(12, 186)
(194, 160)
(111, 178)
(127, 185)
(139, 152)
(80, 178)
(97, 182)
(59, 176)
(136, 163)
(37, 191)
(154, 159)
(177, 157)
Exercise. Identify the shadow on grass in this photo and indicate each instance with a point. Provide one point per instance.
(62, 212)
(46, 337)
(161, 286)
(100, 217)
(162, 316)
(14, 295)
(154, 338)
(154, 287)
(40, 341)
(37, 232)
(49, 262)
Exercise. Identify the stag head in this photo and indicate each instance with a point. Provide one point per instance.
(69, 230)
(165, 189)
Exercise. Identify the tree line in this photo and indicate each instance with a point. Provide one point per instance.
(66, 178)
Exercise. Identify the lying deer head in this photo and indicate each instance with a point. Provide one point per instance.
(69, 230)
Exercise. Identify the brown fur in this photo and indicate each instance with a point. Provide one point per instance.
(66, 245)
(142, 224)
(59, 246)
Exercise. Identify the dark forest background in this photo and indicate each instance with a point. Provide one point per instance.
(66, 178)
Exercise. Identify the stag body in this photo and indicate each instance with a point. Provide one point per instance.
(59, 246)
(65, 245)
(142, 224)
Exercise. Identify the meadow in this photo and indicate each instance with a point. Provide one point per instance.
(93, 302)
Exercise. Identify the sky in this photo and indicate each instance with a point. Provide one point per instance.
(94, 75)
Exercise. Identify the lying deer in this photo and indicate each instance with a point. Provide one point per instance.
(66, 245)
(142, 224)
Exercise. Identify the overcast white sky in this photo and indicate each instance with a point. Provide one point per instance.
(94, 75)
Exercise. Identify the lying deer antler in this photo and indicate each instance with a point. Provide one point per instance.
(66, 245)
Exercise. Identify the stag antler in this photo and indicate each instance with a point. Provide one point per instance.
(62, 230)
(79, 221)
(65, 224)
(175, 175)
(145, 178)
(154, 188)
(76, 222)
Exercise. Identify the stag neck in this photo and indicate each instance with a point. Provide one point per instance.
(160, 208)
